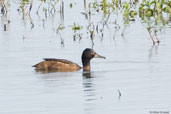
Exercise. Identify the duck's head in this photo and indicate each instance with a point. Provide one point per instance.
(87, 55)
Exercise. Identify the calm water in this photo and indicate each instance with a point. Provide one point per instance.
(133, 67)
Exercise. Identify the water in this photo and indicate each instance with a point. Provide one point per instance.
(133, 67)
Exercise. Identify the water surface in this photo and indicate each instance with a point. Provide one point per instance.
(133, 66)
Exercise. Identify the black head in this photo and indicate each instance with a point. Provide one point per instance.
(88, 54)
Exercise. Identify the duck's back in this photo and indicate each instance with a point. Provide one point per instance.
(56, 65)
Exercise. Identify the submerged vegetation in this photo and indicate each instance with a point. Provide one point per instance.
(154, 15)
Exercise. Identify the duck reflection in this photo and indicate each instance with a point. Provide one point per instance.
(89, 92)
(87, 74)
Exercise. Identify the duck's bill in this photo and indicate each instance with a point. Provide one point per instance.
(99, 56)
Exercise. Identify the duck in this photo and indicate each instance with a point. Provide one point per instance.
(63, 65)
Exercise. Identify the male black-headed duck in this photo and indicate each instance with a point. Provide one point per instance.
(62, 65)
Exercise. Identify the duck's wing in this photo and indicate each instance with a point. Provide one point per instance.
(59, 60)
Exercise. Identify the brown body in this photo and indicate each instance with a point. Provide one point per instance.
(56, 65)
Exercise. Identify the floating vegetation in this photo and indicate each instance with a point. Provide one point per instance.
(154, 15)
(76, 35)
(70, 5)
(76, 27)
(61, 27)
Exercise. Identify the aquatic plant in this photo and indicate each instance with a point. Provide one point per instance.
(76, 27)
(26, 12)
(76, 34)
(154, 14)
(4, 9)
